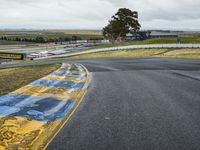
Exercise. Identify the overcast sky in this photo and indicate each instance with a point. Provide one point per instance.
(94, 14)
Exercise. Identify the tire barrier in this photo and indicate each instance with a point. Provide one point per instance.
(31, 116)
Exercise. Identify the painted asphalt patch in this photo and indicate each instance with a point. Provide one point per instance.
(59, 84)
(34, 113)
(40, 108)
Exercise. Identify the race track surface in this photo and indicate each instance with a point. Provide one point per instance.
(136, 104)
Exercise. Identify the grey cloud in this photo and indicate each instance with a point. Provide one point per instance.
(118, 3)
(96, 13)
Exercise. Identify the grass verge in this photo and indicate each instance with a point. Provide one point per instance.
(168, 53)
(171, 40)
(14, 78)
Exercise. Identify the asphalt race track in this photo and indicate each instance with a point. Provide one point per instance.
(135, 104)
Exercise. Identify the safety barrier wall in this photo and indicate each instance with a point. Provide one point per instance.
(130, 47)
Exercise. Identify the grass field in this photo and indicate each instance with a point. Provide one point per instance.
(2, 42)
(52, 34)
(14, 78)
(139, 53)
(184, 40)
(87, 34)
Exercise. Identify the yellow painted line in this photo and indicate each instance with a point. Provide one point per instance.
(72, 72)
(18, 131)
(66, 120)
(35, 90)
(25, 133)
(80, 96)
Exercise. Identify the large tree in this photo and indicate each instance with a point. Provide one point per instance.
(122, 23)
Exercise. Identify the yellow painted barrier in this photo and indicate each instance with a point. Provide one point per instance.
(16, 56)
(31, 116)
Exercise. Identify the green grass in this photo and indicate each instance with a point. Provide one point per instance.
(191, 39)
(184, 40)
(51, 34)
(2, 42)
(14, 78)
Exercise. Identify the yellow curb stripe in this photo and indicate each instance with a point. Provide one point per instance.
(25, 133)
(35, 90)
(72, 72)
(63, 78)
(81, 96)
(15, 129)
(66, 120)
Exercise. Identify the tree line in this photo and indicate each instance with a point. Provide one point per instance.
(40, 39)
(122, 23)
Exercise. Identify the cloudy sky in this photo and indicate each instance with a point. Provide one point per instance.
(94, 14)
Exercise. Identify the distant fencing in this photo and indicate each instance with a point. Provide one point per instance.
(150, 46)
(130, 47)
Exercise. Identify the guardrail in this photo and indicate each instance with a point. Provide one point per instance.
(130, 47)
(150, 46)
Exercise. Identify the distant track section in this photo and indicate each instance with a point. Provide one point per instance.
(150, 46)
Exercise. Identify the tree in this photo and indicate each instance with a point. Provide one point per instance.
(39, 39)
(122, 23)
(5, 38)
(67, 39)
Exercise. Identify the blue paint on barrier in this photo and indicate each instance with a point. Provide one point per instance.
(59, 73)
(59, 84)
(77, 75)
(12, 99)
(44, 110)
(69, 69)
(64, 68)
(68, 74)
(40, 108)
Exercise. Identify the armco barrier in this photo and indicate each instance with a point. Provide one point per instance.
(150, 46)
(32, 115)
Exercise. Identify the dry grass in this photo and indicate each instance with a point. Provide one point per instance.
(124, 53)
(183, 53)
(83, 32)
(14, 78)
(171, 53)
